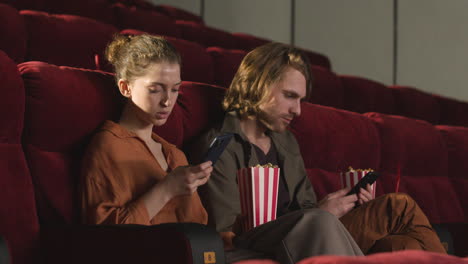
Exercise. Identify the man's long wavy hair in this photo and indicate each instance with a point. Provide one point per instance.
(260, 68)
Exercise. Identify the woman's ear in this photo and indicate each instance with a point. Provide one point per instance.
(124, 88)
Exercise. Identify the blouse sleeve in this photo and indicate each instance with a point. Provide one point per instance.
(101, 193)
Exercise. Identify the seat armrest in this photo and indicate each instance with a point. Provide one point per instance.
(165, 243)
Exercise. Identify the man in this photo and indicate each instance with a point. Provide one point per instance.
(264, 96)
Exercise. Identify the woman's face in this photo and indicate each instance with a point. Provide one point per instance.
(155, 93)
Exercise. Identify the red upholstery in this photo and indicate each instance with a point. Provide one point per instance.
(318, 59)
(198, 108)
(400, 257)
(414, 103)
(145, 20)
(456, 139)
(66, 39)
(207, 36)
(420, 152)
(63, 108)
(179, 14)
(452, 112)
(331, 140)
(26, 4)
(226, 62)
(363, 95)
(18, 218)
(197, 65)
(327, 88)
(13, 32)
(248, 42)
(95, 9)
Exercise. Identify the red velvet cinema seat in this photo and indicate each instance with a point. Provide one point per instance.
(249, 42)
(197, 64)
(318, 59)
(145, 20)
(198, 108)
(452, 112)
(331, 140)
(96, 9)
(327, 88)
(66, 39)
(64, 106)
(456, 139)
(415, 150)
(178, 14)
(13, 32)
(18, 217)
(207, 36)
(362, 95)
(26, 4)
(413, 103)
(226, 62)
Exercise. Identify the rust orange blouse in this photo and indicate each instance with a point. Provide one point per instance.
(118, 169)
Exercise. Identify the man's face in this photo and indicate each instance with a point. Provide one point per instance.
(285, 101)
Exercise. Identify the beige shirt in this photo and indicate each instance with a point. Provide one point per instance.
(118, 168)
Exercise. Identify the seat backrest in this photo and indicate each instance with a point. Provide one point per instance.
(452, 112)
(327, 88)
(13, 32)
(207, 36)
(416, 150)
(331, 140)
(26, 4)
(145, 20)
(18, 217)
(318, 59)
(248, 42)
(197, 64)
(66, 39)
(411, 102)
(364, 95)
(96, 9)
(63, 108)
(198, 108)
(179, 14)
(226, 62)
(456, 139)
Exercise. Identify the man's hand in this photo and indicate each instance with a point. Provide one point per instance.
(337, 203)
(365, 195)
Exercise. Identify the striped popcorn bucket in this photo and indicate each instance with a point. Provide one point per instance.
(351, 178)
(258, 188)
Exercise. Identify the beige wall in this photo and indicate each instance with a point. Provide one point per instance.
(433, 46)
(264, 18)
(357, 35)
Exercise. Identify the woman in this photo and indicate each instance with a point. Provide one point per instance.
(130, 174)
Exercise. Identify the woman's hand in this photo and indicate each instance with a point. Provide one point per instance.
(186, 179)
(338, 203)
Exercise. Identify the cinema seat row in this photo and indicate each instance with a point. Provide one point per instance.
(402, 132)
(49, 113)
(35, 35)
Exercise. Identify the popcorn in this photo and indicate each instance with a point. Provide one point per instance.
(352, 176)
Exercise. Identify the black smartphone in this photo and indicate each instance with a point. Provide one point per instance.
(370, 178)
(217, 147)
